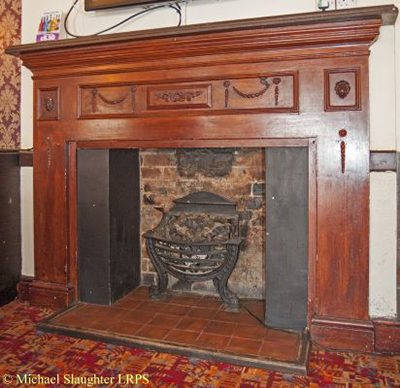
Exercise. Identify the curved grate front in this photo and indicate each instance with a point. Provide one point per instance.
(196, 241)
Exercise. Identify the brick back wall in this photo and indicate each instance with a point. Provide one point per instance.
(237, 174)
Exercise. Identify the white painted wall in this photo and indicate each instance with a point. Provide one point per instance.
(383, 245)
(385, 108)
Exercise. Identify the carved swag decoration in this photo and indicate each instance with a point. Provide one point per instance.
(96, 94)
(263, 81)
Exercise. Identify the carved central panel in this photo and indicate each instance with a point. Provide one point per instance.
(179, 96)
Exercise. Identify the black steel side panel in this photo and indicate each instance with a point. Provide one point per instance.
(93, 226)
(287, 237)
(124, 221)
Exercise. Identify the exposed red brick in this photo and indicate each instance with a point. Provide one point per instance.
(151, 172)
(159, 159)
(162, 183)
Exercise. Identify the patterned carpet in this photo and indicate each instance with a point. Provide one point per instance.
(26, 355)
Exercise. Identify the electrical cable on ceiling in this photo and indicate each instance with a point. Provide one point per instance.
(175, 6)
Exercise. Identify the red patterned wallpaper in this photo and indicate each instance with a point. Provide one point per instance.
(10, 75)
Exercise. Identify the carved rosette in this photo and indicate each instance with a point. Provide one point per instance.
(342, 89)
(48, 104)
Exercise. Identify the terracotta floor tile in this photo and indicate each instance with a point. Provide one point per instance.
(244, 346)
(73, 319)
(83, 321)
(152, 332)
(165, 320)
(227, 316)
(136, 316)
(173, 309)
(191, 295)
(208, 302)
(212, 341)
(90, 309)
(185, 300)
(139, 293)
(191, 324)
(124, 327)
(130, 304)
(113, 313)
(151, 306)
(279, 350)
(202, 313)
(247, 319)
(222, 328)
(100, 324)
(182, 337)
(106, 312)
(251, 332)
(257, 307)
(281, 336)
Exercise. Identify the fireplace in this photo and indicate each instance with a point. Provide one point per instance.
(115, 185)
(297, 81)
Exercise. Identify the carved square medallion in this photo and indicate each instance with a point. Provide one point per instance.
(342, 90)
(48, 104)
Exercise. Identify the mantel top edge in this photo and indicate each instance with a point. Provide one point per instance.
(387, 13)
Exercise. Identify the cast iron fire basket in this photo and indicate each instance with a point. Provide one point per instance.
(197, 240)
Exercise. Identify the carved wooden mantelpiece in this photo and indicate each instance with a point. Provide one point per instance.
(294, 80)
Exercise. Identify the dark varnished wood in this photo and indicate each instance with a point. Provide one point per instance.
(343, 334)
(23, 287)
(10, 225)
(387, 335)
(179, 61)
(26, 158)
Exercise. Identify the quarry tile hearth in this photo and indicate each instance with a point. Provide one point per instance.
(192, 324)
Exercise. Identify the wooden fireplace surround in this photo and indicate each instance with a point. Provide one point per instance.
(276, 81)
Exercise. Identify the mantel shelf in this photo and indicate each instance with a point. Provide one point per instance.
(387, 14)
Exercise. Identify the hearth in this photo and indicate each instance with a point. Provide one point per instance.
(190, 324)
(197, 240)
